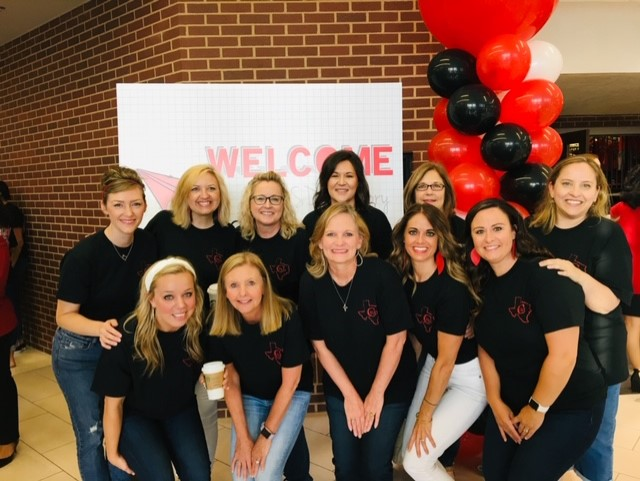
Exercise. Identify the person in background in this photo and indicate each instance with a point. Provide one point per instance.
(627, 214)
(98, 285)
(356, 315)
(269, 228)
(430, 184)
(590, 249)
(543, 384)
(259, 337)
(450, 394)
(342, 179)
(16, 229)
(197, 228)
(9, 430)
(151, 420)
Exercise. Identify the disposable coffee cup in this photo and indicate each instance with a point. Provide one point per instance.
(213, 372)
(212, 290)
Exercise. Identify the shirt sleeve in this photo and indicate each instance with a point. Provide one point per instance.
(558, 301)
(454, 307)
(393, 306)
(75, 276)
(113, 374)
(613, 263)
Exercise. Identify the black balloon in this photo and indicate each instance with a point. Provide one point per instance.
(473, 109)
(450, 70)
(525, 184)
(506, 146)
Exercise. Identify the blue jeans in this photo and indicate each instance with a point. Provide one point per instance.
(367, 458)
(563, 437)
(150, 446)
(596, 464)
(256, 411)
(74, 359)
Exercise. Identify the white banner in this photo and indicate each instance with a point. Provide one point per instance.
(245, 129)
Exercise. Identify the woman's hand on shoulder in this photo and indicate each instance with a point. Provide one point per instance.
(564, 268)
(109, 334)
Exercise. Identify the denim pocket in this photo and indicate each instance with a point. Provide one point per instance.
(71, 341)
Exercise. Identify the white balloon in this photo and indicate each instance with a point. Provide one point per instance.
(546, 61)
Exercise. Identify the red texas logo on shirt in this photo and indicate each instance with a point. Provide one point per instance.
(369, 312)
(215, 258)
(274, 353)
(425, 318)
(521, 309)
(280, 269)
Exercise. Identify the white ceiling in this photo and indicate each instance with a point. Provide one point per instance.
(585, 94)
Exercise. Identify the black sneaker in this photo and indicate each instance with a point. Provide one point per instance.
(635, 380)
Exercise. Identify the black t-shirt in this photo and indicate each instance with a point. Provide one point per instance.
(441, 304)
(599, 247)
(518, 309)
(93, 275)
(206, 249)
(377, 222)
(285, 260)
(13, 218)
(377, 307)
(259, 359)
(164, 393)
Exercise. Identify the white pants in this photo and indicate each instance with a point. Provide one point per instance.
(208, 411)
(462, 403)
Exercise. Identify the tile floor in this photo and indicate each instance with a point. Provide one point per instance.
(47, 447)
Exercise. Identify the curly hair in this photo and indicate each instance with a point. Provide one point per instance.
(409, 193)
(546, 213)
(145, 341)
(322, 199)
(180, 203)
(317, 267)
(288, 223)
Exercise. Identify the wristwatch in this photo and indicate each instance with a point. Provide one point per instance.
(533, 404)
(265, 432)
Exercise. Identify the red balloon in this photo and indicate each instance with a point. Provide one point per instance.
(473, 183)
(469, 24)
(546, 147)
(521, 210)
(451, 148)
(503, 62)
(440, 118)
(533, 104)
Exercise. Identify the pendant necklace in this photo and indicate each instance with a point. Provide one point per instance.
(344, 301)
(122, 256)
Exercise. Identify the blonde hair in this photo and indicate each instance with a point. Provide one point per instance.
(275, 309)
(546, 213)
(409, 194)
(145, 340)
(180, 203)
(118, 179)
(288, 223)
(318, 265)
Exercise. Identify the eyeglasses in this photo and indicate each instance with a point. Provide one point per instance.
(273, 199)
(436, 186)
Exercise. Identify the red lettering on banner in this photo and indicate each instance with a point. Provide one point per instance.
(294, 154)
(221, 161)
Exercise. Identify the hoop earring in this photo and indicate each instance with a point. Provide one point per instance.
(359, 258)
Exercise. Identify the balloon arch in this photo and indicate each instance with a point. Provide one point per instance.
(499, 98)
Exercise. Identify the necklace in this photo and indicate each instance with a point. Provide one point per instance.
(122, 256)
(344, 301)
